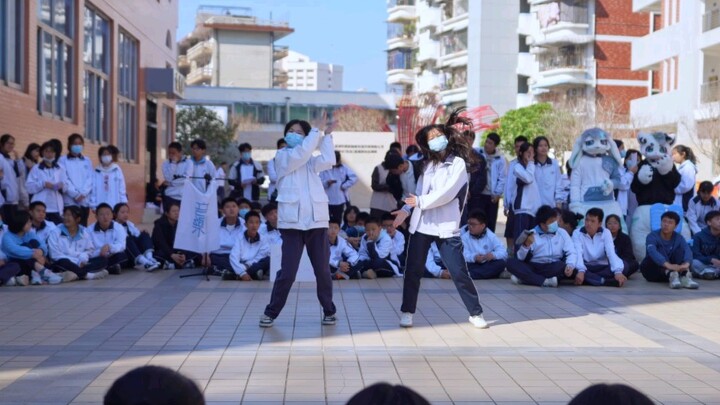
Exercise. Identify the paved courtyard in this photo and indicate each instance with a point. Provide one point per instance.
(67, 343)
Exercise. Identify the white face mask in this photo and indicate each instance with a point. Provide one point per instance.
(106, 159)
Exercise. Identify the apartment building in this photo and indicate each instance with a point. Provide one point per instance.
(232, 47)
(103, 69)
(305, 74)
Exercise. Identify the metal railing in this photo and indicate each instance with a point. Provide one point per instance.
(454, 42)
(399, 30)
(710, 92)
(395, 3)
(455, 8)
(200, 74)
(455, 80)
(400, 60)
(560, 60)
(711, 20)
(557, 12)
(238, 20)
(201, 48)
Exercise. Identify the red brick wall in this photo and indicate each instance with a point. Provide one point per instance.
(147, 21)
(620, 96)
(615, 17)
(614, 61)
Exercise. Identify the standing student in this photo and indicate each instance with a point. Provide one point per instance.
(11, 175)
(138, 245)
(547, 174)
(221, 176)
(496, 177)
(29, 160)
(46, 181)
(176, 169)
(108, 181)
(436, 212)
(668, 255)
(684, 157)
(303, 215)
(109, 239)
(381, 200)
(525, 191)
(272, 174)
(79, 177)
(337, 182)
(203, 168)
(510, 190)
(246, 175)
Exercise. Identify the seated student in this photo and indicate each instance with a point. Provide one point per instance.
(257, 207)
(10, 272)
(623, 245)
(250, 256)
(71, 248)
(484, 254)
(597, 263)
(376, 257)
(244, 206)
(138, 245)
(397, 237)
(349, 226)
(230, 231)
(568, 220)
(545, 255)
(268, 230)
(668, 255)
(344, 260)
(21, 246)
(434, 266)
(706, 248)
(41, 226)
(163, 238)
(700, 205)
(108, 239)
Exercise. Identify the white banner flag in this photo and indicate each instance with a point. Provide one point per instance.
(199, 226)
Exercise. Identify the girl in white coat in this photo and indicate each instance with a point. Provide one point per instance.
(685, 159)
(436, 211)
(46, 181)
(108, 181)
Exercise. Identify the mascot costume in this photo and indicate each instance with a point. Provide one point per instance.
(654, 186)
(595, 161)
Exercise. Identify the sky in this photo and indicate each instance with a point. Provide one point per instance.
(350, 33)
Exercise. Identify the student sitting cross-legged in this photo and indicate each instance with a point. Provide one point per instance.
(668, 255)
(623, 245)
(108, 239)
(706, 248)
(138, 245)
(700, 205)
(546, 255)
(344, 260)
(163, 238)
(10, 274)
(597, 262)
(397, 237)
(484, 253)
(231, 229)
(71, 248)
(376, 257)
(268, 230)
(250, 257)
(434, 266)
(41, 226)
(22, 246)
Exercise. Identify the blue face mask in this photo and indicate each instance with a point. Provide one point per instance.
(293, 139)
(438, 144)
(76, 149)
(246, 155)
(243, 212)
(623, 154)
(552, 228)
(360, 228)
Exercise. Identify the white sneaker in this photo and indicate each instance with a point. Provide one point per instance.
(22, 281)
(150, 267)
(51, 278)
(515, 280)
(505, 275)
(551, 282)
(97, 275)
(142, 260)
(674, 280)
(688, 282)
(35, 278)
(406, 320)
(478, 321)
(11, 282)
(149, 255)
(69, 276)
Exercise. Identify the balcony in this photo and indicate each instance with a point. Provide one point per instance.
(400, 35)
(564, 59)
(527, 24)
(201, 52)
(711, 20)
(428, 17)
(562, 23)
(280, 78)
(452, 96)
(453, 49)
(200, 76)
(647, 6)
(710, 92)
(650, 50)
(563, 69)
(428, 48)
(455, 15)
(657, 110)
(401, 76)
(280, 52)
(183, 62)
(401, 10)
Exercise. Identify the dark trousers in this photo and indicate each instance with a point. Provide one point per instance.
(381, 267)
(451, 253)
(490, 209)
(54, 217)
(630, 268)
(221, 261)
(510, 225)
(353, 272)
(254, 269)
(26, 265)
(535, 273)
(318, 248)
(8, 271)
(336, 212)
(194, 257)
(136, 246)
(655, 273)
(520, 223)
(9, 211)
(116, 258)
(95, 264)
(376, 213)
(487, 270)
(598, 273)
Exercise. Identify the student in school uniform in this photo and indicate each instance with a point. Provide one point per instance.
(268, 230)
(109, 239)
(597, 263)
(138, 244)
(398, 239)
(79, 177)
(10, 273)
(108, 181)
(71, 248)
(250, 256)
(376, 252)
(163, 238)
(10, 175)
(21, 246)
(344, 260)
(700, 205)
(706, 248)
(176, 170)
(669, 256)
(231, 229)
(484, 254)
(41, 226)
(623, 245)
(203, 169)
(434, 266)
(46, 182)
(246, 175)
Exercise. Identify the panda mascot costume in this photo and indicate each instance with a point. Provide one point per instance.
(654, 186)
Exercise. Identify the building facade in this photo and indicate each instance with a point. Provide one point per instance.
(230, 47)
(100, 69)
(305, 74)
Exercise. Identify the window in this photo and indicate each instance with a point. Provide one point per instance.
(96, 56)
(127, 96)
(12, 58)
(169, 134)
(55, 57)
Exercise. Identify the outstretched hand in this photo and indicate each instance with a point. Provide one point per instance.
(411, 201)
(400, 217)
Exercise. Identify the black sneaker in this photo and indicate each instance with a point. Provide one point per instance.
(266, 321)
(229, 275)
(329, 320)
(114, 269)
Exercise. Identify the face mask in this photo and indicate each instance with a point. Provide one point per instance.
(438, 144)
(76, 149)
(360, 228)
(246, 155)
(552, 228)
(106, 159)
(293, 139)
(243, 212)
(48, 160)
(623, 154)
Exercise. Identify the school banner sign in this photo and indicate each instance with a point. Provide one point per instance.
(199, 226)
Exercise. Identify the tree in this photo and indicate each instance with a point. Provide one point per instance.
(527, 121)
(197, 122)
(703, 134)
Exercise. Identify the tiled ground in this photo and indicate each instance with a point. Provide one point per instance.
(67, 343)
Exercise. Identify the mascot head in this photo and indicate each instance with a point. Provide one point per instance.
(656, 147)
(594, 142)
